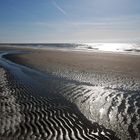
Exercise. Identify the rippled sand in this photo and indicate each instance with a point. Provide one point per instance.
(110, 98)
(10, 116)
(25, 115)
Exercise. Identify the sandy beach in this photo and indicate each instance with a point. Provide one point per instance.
(29, 110)
(84, 95)
(81, 61)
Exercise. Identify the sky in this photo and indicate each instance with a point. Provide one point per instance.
(52, 21)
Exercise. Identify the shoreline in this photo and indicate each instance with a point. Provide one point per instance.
(88, 49)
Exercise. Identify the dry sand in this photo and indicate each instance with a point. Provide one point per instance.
(81, 61)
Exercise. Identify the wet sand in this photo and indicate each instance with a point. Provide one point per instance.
(104, 87)
(26, 115)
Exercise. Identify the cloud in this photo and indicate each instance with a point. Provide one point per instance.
(59, 8)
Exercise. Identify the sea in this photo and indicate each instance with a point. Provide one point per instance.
(129, 48)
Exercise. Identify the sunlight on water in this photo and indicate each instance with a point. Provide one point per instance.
(117, 47)
(131, 48)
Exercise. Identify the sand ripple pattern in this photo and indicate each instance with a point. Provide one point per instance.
(10, 116)
(116, 109)
(115, 106)
(27, 116)
(111, 99)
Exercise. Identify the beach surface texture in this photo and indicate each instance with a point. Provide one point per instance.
(49, 94)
